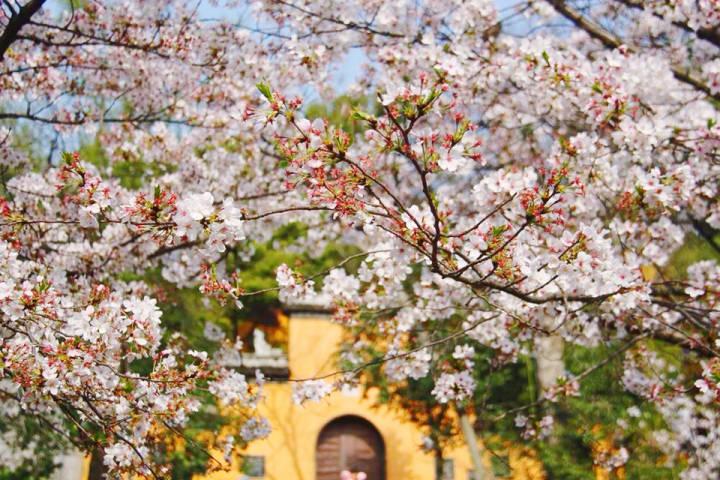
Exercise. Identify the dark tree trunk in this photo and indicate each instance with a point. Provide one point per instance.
(98, 470)
(438, 463)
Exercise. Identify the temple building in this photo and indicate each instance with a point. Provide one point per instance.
(345, 431)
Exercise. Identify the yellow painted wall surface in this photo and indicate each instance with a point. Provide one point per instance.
(290, 450)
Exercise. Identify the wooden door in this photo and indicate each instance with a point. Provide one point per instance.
(350, 443)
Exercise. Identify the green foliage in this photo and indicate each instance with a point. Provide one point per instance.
(192, 459)
(600, 413)
(91, 151)
(693, 250)
(131, 171)
(30, 471)
(188, 462)
(341, 113)
(264, 88)
(76, 4)
(133, 174)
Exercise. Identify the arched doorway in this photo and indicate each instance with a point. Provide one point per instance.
(350, 443)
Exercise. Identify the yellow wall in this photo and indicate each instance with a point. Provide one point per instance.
(290, 450)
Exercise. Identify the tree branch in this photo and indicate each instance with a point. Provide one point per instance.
(16, 23)
(707, 34)
(608, 39)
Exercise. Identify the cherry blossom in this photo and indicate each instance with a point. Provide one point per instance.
(511, 182)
